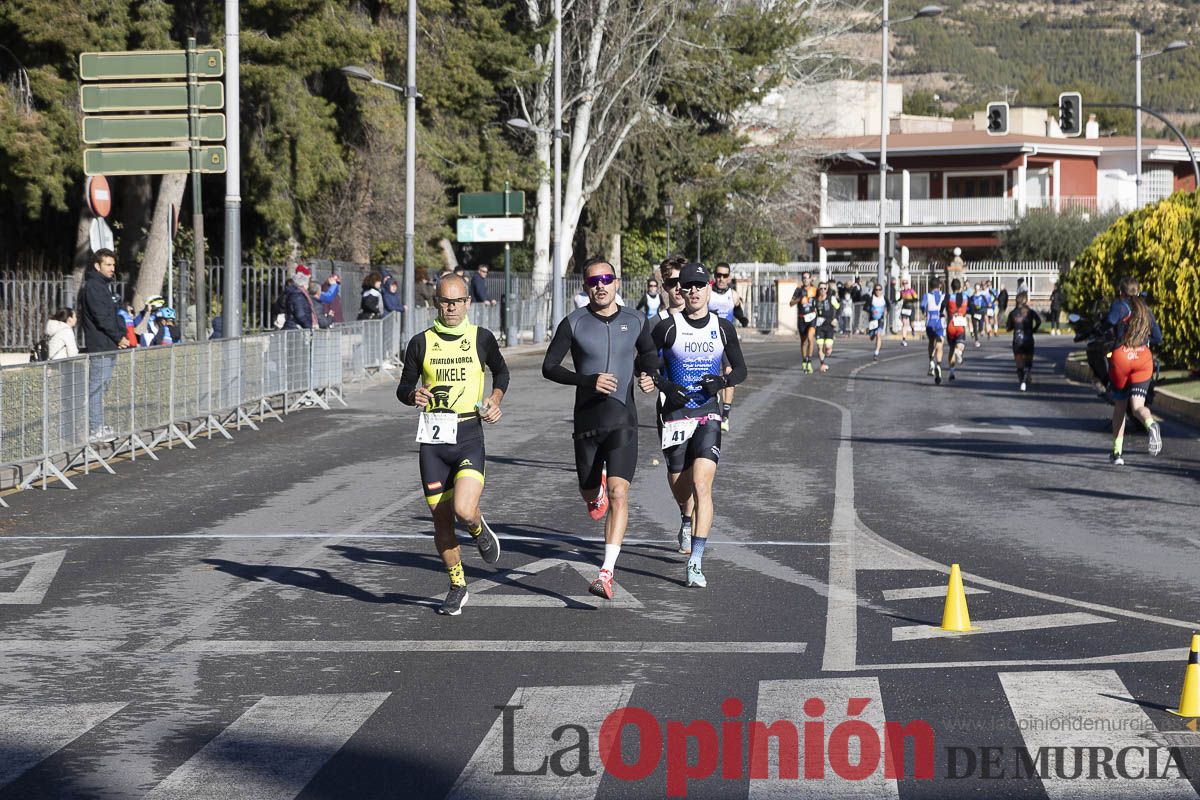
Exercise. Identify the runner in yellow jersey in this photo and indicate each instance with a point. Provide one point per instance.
(448, 360)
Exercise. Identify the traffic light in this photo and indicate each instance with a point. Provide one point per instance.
(997, 119)
(890, 243)
(1070, 113)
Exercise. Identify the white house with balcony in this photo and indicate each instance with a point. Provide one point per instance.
(961, 188)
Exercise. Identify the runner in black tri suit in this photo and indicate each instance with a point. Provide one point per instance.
(609, 346)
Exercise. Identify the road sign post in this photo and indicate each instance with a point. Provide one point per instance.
(142, 82)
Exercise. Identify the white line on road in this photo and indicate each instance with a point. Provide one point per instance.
(908, 633)
(32, 647)
(918, 592)
(537, 731)
(32, 589)
(214, 609)
(1177, 655)
(785, 700)
(31, 733)
(1089, 709)
(990, 430)
(273, 750)
(244, 647)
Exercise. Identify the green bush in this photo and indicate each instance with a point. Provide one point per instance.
(1160, 246)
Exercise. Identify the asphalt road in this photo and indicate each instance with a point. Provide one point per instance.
(255, 618)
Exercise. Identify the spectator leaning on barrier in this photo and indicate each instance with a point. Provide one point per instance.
(60, 331)
(298, 308)
(103, 333)
(371, 306)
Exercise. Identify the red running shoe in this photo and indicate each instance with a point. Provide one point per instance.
(599, 507)
(602, 586)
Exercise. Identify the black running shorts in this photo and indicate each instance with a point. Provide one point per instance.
(956, 341)
(443, 464)
(615, 451)
(705, 443)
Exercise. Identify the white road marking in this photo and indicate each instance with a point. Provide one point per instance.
(537, 733)
(784, 700)
(31, 733)
(216, 608)
(35, 647)
(273, 750)
(622, 598)
(854, 372)
(907, 633)
(990, 430)
(1088, 709)
(32, 589)
(1176, 655)
(918, 592)
(241, 647)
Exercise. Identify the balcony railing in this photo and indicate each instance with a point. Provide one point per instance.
(961, 210)
(861, 212)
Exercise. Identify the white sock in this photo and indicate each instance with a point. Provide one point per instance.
(611, 551)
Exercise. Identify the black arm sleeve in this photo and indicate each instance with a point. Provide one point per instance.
(740, 315)
(647, 357)
(414, 356)
(489, 350)
(733, 352)
(552, 368)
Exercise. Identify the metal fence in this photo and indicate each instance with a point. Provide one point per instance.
(80, 412)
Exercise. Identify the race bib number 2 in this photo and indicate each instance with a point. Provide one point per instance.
(678, 431)
(437, 428)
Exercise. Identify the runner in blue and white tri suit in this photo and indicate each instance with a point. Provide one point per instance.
(935, 326)
(693, 345)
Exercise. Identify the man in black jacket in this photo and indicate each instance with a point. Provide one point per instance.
(103, 332)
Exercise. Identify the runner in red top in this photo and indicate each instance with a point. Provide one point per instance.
(956, 313)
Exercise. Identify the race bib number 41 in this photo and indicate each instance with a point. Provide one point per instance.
(678, 431)
(437, 428)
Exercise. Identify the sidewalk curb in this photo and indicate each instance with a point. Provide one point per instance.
(1166, 402)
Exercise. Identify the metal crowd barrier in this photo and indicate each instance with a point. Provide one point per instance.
(80, 412)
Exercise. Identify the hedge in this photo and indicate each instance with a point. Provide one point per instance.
(1158, 244)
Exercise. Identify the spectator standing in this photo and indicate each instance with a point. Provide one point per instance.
(371, 306)
(298, 308)
(849, 310)
(390, 290)
(328, 302)
(425, 288)
(1055, 306)
(1002, 301)
(103, 333)
(651, 301)
(60, 331)
(479, 287)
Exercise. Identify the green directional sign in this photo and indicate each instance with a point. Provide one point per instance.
(151, 160)
(490, 204)
(102, 97)
(151, 128)
(149, 64)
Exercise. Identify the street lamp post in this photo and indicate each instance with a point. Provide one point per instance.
(410, 94)
(668, 209)
(925, 11)
(556, 295)
(1138, 57)
(699, 222)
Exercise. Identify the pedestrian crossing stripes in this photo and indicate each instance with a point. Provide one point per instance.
(273, 750)
(1083, 733)
(1085, 709)
(31, 733)
(551, 718)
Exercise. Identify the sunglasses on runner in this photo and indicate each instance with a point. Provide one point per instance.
(451, 302)
(671, 283)
(692, 287)
(721, 274)
(605, 279)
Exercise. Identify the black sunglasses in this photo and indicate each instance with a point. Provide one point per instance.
(721, 274)
(670, 283)
(600, 280)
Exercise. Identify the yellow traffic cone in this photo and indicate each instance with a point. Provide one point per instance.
(1189, 698)
(955, 616)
